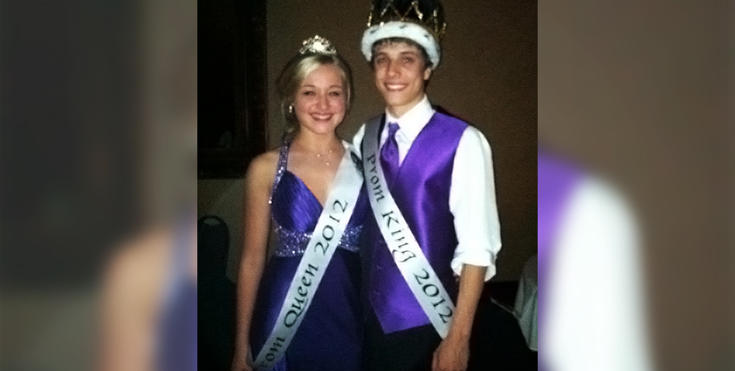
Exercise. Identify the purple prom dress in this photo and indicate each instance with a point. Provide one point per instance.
(330, 335)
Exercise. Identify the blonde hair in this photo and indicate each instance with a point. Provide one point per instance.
(293, 76)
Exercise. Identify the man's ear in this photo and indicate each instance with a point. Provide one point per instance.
(427, 73)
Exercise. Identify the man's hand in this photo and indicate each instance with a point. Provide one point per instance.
(452, 354)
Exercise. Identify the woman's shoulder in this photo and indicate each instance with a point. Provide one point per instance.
(266, 160)
(262, 168)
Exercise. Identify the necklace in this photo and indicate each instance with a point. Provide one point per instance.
(324, 157)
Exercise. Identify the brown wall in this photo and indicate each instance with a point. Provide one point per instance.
(487, 76)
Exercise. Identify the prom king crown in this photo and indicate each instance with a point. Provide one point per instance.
(419, 21)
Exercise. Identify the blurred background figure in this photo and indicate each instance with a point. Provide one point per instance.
(98, 141)
(149, 304)
(592, 310)
(639, 94)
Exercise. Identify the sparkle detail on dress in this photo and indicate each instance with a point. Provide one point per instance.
(292, 243)
(282, 161)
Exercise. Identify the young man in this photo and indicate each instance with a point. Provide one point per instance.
(435, 233)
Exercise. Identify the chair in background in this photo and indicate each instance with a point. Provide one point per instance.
(216, 295)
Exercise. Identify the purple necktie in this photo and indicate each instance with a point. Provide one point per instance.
(389, 154)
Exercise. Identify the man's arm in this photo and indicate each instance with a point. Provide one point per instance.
(454, 351)
(472, 203)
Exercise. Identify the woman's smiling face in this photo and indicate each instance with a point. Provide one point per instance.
(320, 101)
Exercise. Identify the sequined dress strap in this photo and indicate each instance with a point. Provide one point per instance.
(282, 163)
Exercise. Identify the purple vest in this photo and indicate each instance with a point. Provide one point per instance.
(421, 191)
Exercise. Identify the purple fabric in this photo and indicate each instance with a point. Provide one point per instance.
(292, 200)
(177, 327)
(556, 180)
(297, 209)
(421, 191)
(389, 157)
(330, 336)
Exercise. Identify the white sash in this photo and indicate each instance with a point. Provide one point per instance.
(415, 268)
(319, 251)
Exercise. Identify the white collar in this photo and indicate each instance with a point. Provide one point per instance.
(413, 121)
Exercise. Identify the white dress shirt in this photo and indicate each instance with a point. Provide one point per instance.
(472, 192)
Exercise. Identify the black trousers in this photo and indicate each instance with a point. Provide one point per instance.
(407, 350)
(497, 344)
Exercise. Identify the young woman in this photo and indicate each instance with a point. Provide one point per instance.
(295, 189)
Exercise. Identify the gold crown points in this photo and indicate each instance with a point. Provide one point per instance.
(433, 23)
(317, 45)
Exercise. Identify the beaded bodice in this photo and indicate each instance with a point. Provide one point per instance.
(295, 211)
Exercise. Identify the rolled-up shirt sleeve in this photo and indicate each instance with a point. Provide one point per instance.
(472, 202)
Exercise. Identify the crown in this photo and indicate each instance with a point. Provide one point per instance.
(428, 14)
(317, 45)
(419, 21)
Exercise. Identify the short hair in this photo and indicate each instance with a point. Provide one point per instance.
(394, 40)
(293, 75)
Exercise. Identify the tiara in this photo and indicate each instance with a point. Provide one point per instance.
(317, 45)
